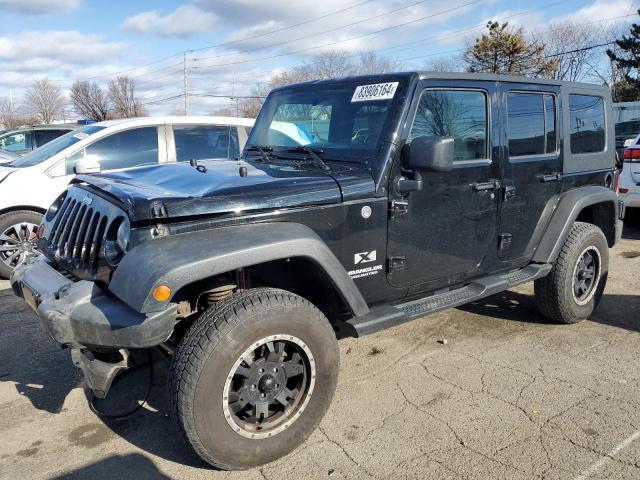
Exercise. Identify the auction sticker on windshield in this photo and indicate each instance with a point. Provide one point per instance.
(377, 91)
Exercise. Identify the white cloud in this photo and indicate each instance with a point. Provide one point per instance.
(69, 47)
(599, 11)
(184, 21)
(39, 7)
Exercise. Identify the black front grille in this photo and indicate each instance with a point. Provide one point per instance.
(75, 236)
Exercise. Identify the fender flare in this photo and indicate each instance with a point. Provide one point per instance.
(569, 206)
(179, 260)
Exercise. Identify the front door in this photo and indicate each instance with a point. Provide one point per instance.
(532, 168)
(448, 232)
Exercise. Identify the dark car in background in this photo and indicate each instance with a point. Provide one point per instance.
(22, 140)
(626, 132)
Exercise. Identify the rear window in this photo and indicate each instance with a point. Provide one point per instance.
(587, 123)
(630, 129)
(204, 141)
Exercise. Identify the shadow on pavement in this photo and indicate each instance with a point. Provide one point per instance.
(37, 365)
(132, 466)
(151, 428)
(615, 310)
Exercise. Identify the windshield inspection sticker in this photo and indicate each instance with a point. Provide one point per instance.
(81, 135)
(377, 91)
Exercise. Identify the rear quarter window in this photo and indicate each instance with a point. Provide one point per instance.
(587, 123)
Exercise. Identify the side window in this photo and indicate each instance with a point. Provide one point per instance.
(587, 123)
(131, 148)
(18, 142)
(45, 136)
(531, 121)
(461, 114)
(200, 142)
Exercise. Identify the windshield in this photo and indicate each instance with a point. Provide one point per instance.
(347, 120)
(631, 128)
(50, 149)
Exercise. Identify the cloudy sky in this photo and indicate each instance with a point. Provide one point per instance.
(232, 44)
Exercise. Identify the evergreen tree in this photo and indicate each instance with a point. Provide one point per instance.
(505, 51)
(627, 60)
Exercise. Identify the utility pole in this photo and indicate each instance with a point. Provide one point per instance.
(184, 75)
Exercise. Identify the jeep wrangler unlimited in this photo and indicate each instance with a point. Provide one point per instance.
(357, 204)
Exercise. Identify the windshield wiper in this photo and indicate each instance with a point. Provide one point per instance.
(262, 150)
(313, 153)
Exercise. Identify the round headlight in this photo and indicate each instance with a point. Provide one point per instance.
(122, 236)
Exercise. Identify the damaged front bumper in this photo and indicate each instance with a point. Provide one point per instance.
(80, 315)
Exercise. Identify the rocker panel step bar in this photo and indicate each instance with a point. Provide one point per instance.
(386, 316)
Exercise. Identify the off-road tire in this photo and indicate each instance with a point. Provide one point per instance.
(11, 218)
(207, 354)
(554, 293)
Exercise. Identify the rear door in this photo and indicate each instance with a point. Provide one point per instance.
(532, 167)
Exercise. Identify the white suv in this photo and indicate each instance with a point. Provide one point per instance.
(31, 183)
(629, 180)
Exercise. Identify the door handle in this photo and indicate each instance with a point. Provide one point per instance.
(553, 177)
(484, 186)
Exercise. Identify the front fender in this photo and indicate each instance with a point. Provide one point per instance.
(179, 260)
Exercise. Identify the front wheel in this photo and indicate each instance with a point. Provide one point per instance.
(253, 377)
(17, 238)
(573, 288)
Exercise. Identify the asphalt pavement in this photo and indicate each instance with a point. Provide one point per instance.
(490, 390)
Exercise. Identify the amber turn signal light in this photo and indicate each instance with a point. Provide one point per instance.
(161, 293)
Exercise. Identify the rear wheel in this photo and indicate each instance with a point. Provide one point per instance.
(253, 377)
(17, 238)
(573, 288)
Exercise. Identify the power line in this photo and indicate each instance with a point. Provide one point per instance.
(459, 7)
(231, 42)
(313, 34)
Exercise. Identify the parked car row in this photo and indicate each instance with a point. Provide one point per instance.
(30, 184)
(23, 140)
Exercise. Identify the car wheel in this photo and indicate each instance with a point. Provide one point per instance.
(573, 288)
(252, 377)
(17, 238)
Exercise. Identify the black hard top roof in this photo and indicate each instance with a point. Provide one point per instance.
(423, 75)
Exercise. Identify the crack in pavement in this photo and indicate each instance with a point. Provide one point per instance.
(344, 451)
(459, 439)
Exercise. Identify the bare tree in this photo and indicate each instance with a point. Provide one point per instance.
(44, 100)
(89, 100)
(122, 95)
(567, 43)
(445, 64)
(371, 63)
(329, 64)
(9, 116)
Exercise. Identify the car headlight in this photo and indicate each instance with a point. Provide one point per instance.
(122, 236)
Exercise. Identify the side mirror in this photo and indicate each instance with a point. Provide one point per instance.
(433, 154)
(87, 166)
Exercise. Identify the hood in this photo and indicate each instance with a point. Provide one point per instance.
(178, 189)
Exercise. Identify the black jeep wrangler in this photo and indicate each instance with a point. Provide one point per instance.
(358, 204)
